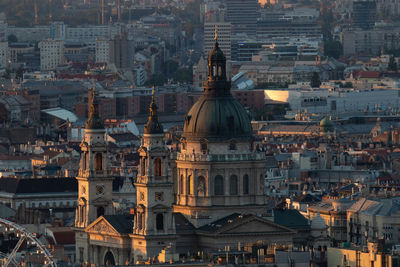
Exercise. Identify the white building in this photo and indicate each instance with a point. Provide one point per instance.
(58, 30)
(51, 54)
(89, 34)
(336, 101)
(224, 30)
(104, 50)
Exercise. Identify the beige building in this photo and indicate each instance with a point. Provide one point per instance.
(333, 211)
(373, 219)
(372, 255)
(51, 54)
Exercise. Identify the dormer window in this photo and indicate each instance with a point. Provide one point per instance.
(204, 147)
(232, 145)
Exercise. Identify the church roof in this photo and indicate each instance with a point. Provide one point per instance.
(153, 126)
(217, 115)
(121, 223)
(182, 224)
(44, 185)
(291, 219)
(242, 222)
(318, 223)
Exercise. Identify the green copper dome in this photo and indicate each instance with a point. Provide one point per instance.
(217, 115)
(217, 118)
(326, 125)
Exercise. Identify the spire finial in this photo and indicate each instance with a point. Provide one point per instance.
(153, 126)
(216, 33)
(94, 121)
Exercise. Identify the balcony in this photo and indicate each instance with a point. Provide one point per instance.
(198, 157)
(93, 173)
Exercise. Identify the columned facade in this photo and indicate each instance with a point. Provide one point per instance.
(218, 172)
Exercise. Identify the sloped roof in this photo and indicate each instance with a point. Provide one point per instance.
(38, 185)
(236, 220)
(182, 224)
(307, 198)
(121, 223)
(291, 219)
(61, 114)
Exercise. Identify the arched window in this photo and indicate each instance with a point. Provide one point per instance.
(181, 185)
(160, 222)
(190, 184)
(203, 147)
(201, 186)
(233, 185)
(100, 211)
(140, 221)
(83, 161)
(157, 167)
(219, 185)
(245, 184)
(143, 166)
(98, 163)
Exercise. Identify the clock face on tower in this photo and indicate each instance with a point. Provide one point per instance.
(99, 189)
(142, 196)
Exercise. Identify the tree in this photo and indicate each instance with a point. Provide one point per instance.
(315, 81)
(19, 73)
(184, 75)
(12, 38)
(156, 80)
(6, 75)
(347, 85)
(392, 64)
(170, 68)
(333, 49)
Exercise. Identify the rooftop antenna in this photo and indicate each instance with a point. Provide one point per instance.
(119, 10)
(102, 12)
(50, 10)
(36, 12)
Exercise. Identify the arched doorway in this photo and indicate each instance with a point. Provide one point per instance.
(100, 211)
(109, 259)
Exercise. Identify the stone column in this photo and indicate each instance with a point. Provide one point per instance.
(95, 255)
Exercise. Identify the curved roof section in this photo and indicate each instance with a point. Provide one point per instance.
(61, 113)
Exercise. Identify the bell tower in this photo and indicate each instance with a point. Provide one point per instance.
(154, 225)
(94, 180)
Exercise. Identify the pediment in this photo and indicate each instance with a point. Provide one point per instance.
(159, 207)
(254, 225)
(100, 200)
(157, 149)
(101, 226)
